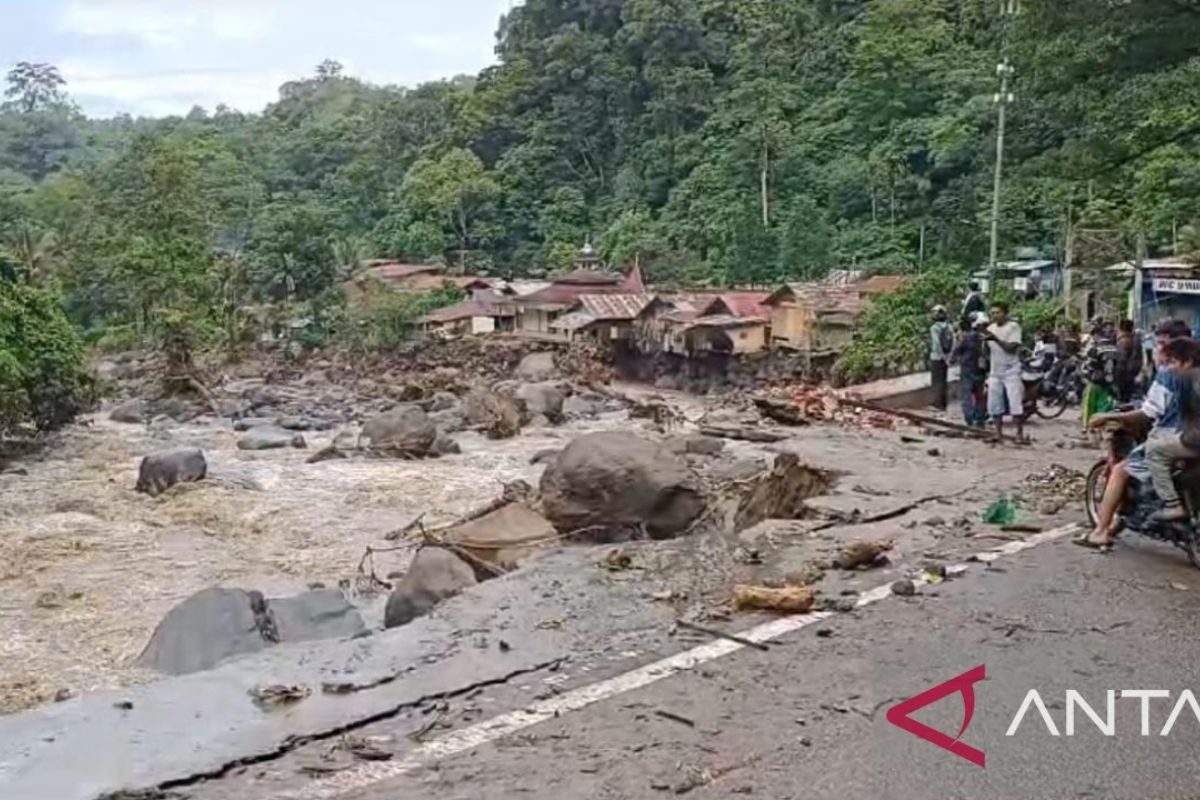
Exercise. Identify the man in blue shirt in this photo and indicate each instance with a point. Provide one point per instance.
(1161, 407)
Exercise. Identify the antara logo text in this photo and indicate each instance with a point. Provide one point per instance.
(1076, 709)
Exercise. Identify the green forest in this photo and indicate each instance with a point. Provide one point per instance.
(719, 142)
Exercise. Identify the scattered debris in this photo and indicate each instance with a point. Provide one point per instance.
(787, 600)
(1052, 488)
(268, 697)
(904, 588)
(1002, 512)
(616, 560)
(674, 717)
(692, 626)
(781, 411)
(744, 434)
(863, 554)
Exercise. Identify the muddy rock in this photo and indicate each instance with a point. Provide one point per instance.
(695, 445)
(537, 367)
(270, 439)
(503, 537)
(441, 401)
(444, 445)
(215, 624)
(250, 423)
(132, 412)
(297, 423)
(450, 420)
(404, 431)
(544, 456)
(586, 405)
(177, 408)
(541, 399)
(493, 412)
(616, 484)
(160, 471)
(435, 575)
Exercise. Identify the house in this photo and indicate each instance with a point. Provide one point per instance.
(1029, 269)
(725, 333)
(814, 317)
(409, 278)
(475, 316)
(660, 326)
(601, 317)
(1169, 289)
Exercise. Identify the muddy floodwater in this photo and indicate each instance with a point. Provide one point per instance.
(88, 566)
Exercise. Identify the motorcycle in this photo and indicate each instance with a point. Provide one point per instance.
(1063, 386)
(1140, 500)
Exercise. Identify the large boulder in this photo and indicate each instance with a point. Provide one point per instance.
(215, 624)
(584, 405)
(204, 630)
(132, 412)
(404, 431)
(537, 367)
(315, 614)
(495, 413)
(503, 537)
(270, 438)
(614, 484)
(160, 471)
(541, 399)
(435, 575)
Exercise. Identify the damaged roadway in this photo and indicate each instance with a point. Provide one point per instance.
(562, 620)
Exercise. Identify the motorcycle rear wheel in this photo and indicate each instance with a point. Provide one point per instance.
(1191, 546)
(1051, 407)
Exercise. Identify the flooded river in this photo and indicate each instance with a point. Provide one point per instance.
(88, 566)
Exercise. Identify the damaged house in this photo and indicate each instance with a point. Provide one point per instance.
(816, 318)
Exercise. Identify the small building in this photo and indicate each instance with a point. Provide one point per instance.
(725, 334)
(1029, 270)
(1170, 289)
(473, 316)
(602, 317)
(813, 317)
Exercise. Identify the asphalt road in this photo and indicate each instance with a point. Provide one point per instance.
(807, 718)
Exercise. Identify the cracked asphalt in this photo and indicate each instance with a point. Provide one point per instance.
(806, 719)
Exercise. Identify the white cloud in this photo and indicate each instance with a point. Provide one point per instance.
(168, 23)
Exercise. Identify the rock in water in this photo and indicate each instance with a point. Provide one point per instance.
(132, 412)
(542, 399)
(203, 630)
(215, 624)
(435, 575)
(404, 431)
(537, 367)
(161, 471)
(495, 413)
(616, 483)
(443, 445)
(317, 614)
(270, 439)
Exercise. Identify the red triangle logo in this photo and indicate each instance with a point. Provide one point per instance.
(899, 714)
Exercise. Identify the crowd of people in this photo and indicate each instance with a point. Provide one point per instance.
(1119, 367)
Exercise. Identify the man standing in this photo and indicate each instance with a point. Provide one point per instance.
(971, 356)
(941, 343)
(972, 305)
(1004, 374)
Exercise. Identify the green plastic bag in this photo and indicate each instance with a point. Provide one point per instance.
(1001, 512)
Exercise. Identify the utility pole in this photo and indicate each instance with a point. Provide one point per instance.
(1002, 99)
(1008, 10)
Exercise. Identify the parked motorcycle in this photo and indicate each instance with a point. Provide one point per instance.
(1063, 386)
(1140, 500)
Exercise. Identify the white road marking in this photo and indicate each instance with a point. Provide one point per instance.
(481, 733)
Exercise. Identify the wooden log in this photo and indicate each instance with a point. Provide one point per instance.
(919, 418)
(743, 434)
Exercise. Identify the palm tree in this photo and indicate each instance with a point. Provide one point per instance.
(37, 253)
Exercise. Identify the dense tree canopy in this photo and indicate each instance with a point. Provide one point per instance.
(725, 141)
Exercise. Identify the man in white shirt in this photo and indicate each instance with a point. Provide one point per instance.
(1004, 376)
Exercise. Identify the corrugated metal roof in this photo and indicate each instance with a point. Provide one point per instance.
(589, 277)
(739, 304)
(572, 321)
(821, 298)
(395, 270)
(466, 310)
(562, 295)
(726, 321)
(614, 306)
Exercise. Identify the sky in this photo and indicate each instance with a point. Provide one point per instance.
(159, 57)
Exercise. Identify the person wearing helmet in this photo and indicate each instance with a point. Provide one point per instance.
(941, 343)
(970, 354)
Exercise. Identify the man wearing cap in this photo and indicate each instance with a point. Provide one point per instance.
(941, 343)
